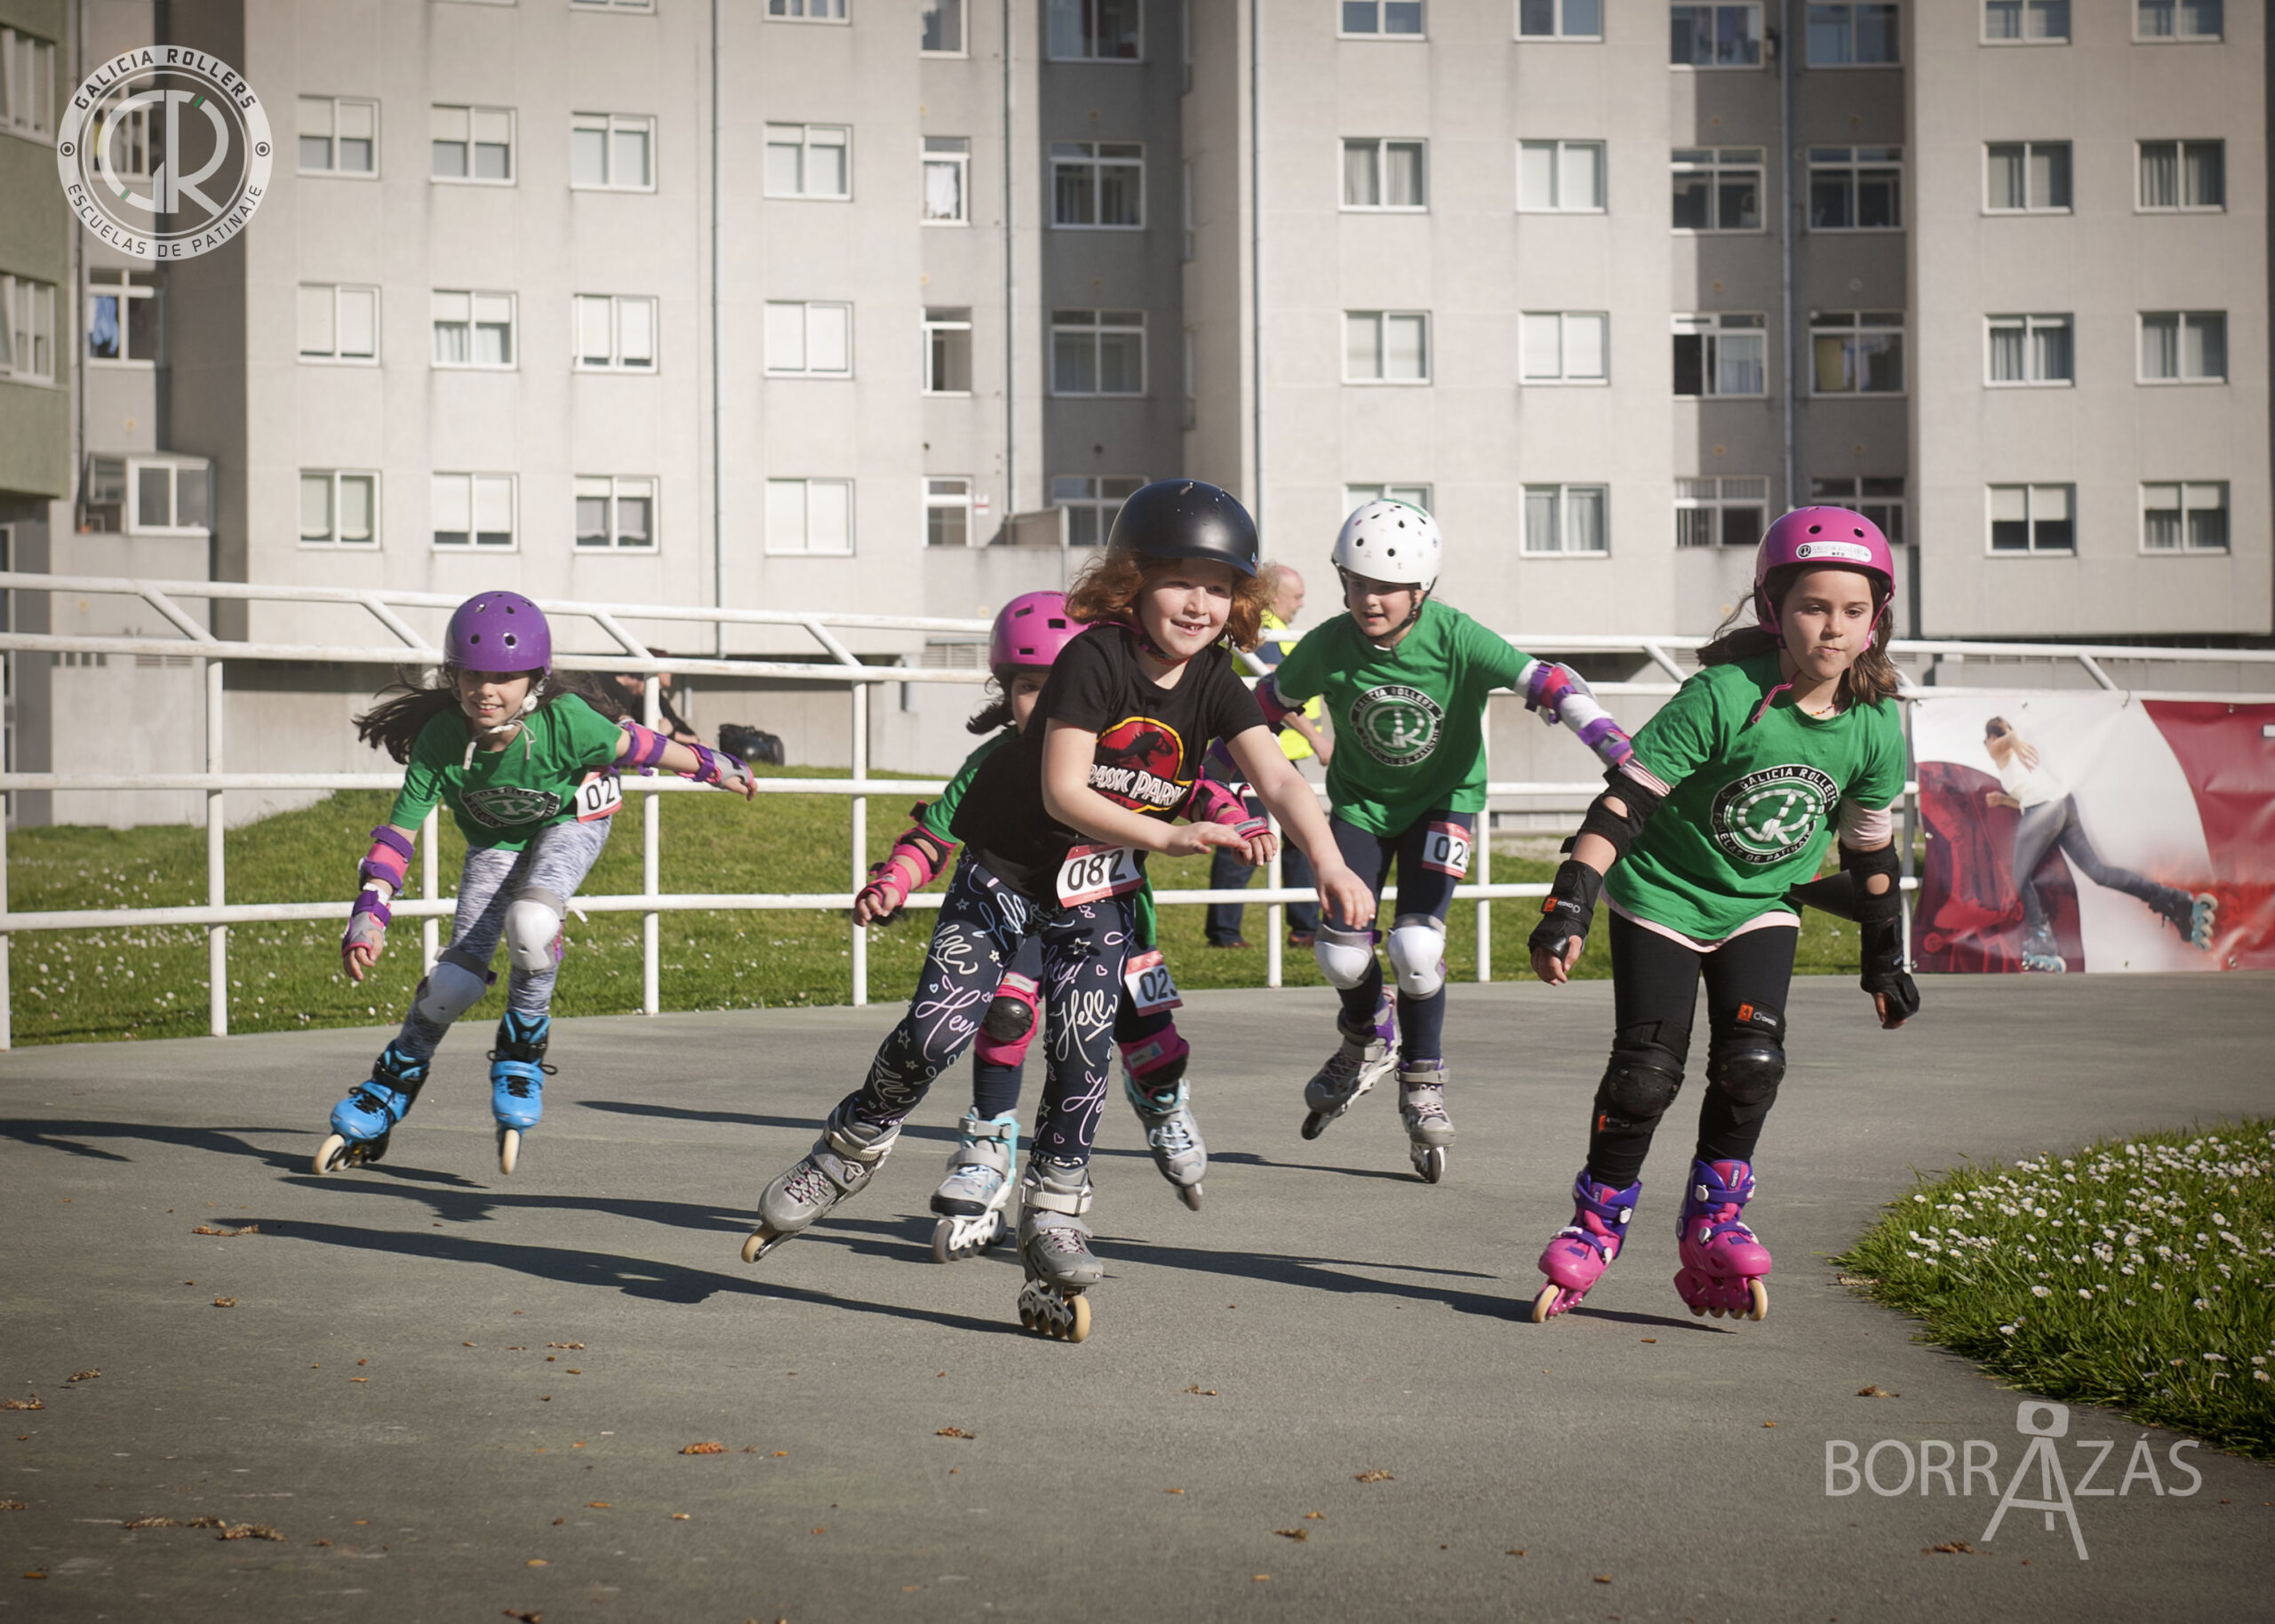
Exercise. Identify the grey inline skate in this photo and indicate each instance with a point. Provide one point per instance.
(977, 1192)
(1363, 1060)
(1422, 1105)
(843, 1159)
(2192, 915)
(2041, 953)
(1054, 1247)
(1172, 1135)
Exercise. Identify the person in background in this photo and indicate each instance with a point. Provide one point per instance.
(631, 692)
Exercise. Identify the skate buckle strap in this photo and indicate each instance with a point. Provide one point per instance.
(1041, 1197)
(1005, 1131)
(868, 1153)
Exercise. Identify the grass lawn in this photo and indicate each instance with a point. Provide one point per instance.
(77, 986)
(2137, 1273)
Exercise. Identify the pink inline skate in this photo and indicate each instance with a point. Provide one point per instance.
(1578, 1255)
(1722, 1261)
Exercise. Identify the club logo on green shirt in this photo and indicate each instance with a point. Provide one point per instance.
(1767, 816)
(1398, 725)
(508, 807)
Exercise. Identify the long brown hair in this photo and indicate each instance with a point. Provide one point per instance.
(405, 705)
(1109, 587)
(1870, 678)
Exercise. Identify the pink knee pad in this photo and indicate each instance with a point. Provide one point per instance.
(1158, 1062)
(1011, 1023)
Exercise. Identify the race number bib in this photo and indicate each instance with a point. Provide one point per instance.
(1151, 987)
(1092, 872)
(598, 797)
(1446, 849)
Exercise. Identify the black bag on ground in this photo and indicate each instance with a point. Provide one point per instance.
(752, 744)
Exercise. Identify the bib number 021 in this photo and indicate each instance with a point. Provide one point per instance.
(1446, 849)
(1092, 872)
(598, 797)
(1152, 988)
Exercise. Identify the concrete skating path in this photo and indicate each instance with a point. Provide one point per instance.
(458, 1396)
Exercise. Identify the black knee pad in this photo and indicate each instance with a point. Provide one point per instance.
(1749, 1057)
(1008, 1019)
(1638, 1084)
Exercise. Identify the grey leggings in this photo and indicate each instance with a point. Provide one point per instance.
(556, 860)
(2053, 822)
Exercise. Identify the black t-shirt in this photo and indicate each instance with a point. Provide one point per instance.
(1151, 740)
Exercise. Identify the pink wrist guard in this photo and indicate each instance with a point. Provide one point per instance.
(389, 858)
(914, 862)
(643, 748)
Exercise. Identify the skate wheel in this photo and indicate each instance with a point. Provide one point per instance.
(1544, 1302)
(1698, 1310)
(509, 1150)
(1316, 1123)
(1190, 1194)
(330, 1154)
(1431, 1163)
(762, 1240)
(1077, 1326)
(1759, 1292)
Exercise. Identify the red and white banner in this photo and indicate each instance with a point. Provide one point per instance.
(2143, 832)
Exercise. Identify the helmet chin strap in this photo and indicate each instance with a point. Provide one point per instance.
(1421, 597)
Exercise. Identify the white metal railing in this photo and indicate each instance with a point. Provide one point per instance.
(838, 666)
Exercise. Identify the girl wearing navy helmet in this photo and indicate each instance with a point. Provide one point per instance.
(528, 768)
(1788, 735)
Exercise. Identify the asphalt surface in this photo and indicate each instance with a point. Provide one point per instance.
(458, 1396)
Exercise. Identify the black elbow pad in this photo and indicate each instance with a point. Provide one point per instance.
(1872, 909)
(1621, 828)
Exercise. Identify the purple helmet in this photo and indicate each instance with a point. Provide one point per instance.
(498, 631)
(1029, 631)
(1826, 537)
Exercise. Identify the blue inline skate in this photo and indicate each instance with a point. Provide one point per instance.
(517, 1074)
(973, 1199)
(362, 1122)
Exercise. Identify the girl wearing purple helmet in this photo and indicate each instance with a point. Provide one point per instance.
(1735, 790)
(528, 768)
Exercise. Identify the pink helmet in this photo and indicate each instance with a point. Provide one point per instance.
(1827, 537)
(1029, 631)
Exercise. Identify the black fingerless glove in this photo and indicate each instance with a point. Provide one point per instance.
(1885, 972)
(1568, 909)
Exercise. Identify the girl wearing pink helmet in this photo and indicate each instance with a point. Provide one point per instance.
(1787, 735)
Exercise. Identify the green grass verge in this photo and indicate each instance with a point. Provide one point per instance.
(77, 986)
(2137, 1273)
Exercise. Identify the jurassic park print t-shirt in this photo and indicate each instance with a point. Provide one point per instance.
(1408, 721)
(500, 798)
(1754, 803)
(1151, 740)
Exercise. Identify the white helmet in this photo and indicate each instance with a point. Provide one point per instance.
(1391, 542)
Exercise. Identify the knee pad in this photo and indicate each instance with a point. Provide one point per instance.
(451, 989)
(533, 929)
(1417, 953)
(1749, 1058)
(1009, 1027)
(1156, 1063)
(1344, 956)
(1638, 1086)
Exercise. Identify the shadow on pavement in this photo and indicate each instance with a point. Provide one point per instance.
(56, 1134)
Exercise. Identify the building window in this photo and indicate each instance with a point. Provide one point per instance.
(948, 513)
(2027, 177)
(943, 27)
(1381, 18)
(1856, 352)
(1567, 519)
(616, 512)
(2025, 22)
(1565, 346)
(1560, 176)
(27, 86)
(340, 323)
(615, 332)
(1097, 184)
(1356, 496)
(1721, 355)
(339, 136)
(806, 10)
(2168, 20)
(947, 351)
(171, 495)
(613, 152)
(2032, 519)
(339, 509)
(27, 330)
(1560, 19)
(1384, 174)
(1855, 188)
(1094, 30)
(1092, 504)
(473, 330)
(124, 324)
(810, 517)
(947, 177)
(2184, 175)
(1717, 188)
(473, 510)
(613, 5)
(1386, 346)
(1097, 352)
(124, 140)
(2184, 347)
(1715, 37)
(809, 161)
(1720, 512)
(809, 340)
(2191, 517)
(2031, 349)
(1880, 500)
(1854, 35)
(471, 144)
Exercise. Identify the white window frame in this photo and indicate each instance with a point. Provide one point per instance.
(2180, 9)
(1879, 498)
(1853, 163)
(475, 118)
(807, 316)
(117, 282)
(1098, 327)
(2029, 150)
(806, 10)
(1562, 494)
(837, 137)
(1560, 148)
(332, 138)
(1382, 320)
(1558, 33)
(2141, 205)
(1085, 15)
(1530, 322)
(2183, 320)
(1381, 145)
(1851, 7)
(1097, 157)
(1103, 505)
(613, 491)
(473, 324)
(2185, 496)
(618, 304)
(2032, 494)
(952, 155)
(1754, 35)
(1356, 496)
(340, 293)
(1857, 328)
(27, 86)
(2030, 325)
(938, 320)
(949, 493)
(1383, 11)
(334, 479)
(28, 353)
(130, 506)
(611, 125)
(1718, 162)
(1718, 496)
(479, 484)
(781, 543)
(2024, 10)
(1714, 329)
(962, 47)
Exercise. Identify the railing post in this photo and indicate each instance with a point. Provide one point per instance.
(860, 837)
(1273, 915)
(217, 936)
(1483, 848)
(1911, 829)
(430, 887)
(651, 841)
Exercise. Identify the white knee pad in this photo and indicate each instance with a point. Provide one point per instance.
(532, 923)
(1344, 955)
(449, 990)
(1417, 953)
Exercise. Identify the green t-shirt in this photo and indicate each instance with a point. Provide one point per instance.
(503, 797)
(1753, 804)
(1409, 721)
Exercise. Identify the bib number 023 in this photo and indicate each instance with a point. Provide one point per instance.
(1446, 849)
(1092, 872)
(598, 797)
(1152, 989)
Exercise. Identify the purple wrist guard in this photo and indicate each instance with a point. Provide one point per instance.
(1276, 710)
(644, 747)
(368, 903)
(1547, 684)
(714, 767)
(389, 858)
(1608, 739)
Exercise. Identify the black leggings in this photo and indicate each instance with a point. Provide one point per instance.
(1655, 998)
(996, 1087)
(2055, 823)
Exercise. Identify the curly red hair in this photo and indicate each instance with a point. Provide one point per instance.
(1109, 587)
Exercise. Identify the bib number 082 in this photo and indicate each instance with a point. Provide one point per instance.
(1092, 872)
